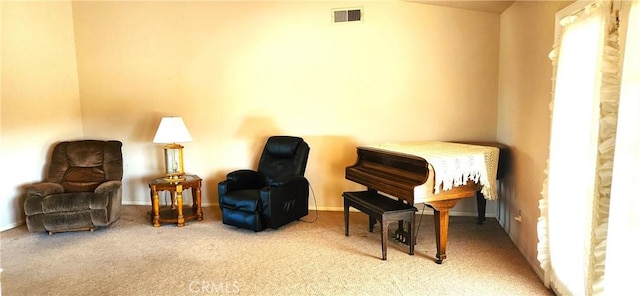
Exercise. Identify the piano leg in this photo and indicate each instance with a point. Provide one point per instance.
(401, 233)
(384, 234)
(372, 222)
(441, 220)
(346, 218)
(482, 207)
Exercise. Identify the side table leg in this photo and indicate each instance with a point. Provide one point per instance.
(179, 199)
(173, 200)
(155, 201)
(198, 202)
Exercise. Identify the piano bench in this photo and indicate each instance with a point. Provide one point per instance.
(383, 209)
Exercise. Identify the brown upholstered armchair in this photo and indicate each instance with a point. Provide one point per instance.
(82, 189)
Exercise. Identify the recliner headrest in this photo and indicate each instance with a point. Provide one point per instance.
(282, 146)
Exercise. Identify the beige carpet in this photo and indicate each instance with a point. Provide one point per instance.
(208, 258)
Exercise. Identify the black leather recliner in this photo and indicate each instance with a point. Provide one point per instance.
(274, 195)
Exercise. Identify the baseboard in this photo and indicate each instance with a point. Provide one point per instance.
(427, 211)
(137, 203)
(11, 225)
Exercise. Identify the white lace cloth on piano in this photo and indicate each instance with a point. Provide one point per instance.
(455, 164)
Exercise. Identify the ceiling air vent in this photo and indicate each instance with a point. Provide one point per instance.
(347, 15)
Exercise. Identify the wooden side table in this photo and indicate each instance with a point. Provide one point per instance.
(175, 213)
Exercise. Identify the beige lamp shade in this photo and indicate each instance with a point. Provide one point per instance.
(172, 130)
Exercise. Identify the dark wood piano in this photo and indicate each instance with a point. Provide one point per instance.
(397, 174)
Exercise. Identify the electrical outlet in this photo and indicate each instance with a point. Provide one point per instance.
(518, 217)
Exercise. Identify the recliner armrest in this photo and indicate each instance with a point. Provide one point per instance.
(243, 179)
(285, 200)
(44, 189)
(108, 186)
(290, 179)
(287, 188)
(241, 175)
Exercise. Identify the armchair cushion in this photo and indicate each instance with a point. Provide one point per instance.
(243, 200)
(83, 179)
(67, 202)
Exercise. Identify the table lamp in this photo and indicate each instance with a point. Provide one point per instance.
(171, 131)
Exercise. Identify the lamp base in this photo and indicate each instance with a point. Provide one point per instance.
(174, 178)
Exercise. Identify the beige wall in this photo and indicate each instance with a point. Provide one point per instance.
(238, 72)
(526, 38)
(40, 95)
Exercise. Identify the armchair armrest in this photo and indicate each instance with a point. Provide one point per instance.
(243, 176)
(108, 186)
(288, 188)
(295, 180)
(108, 196)
(44, 189)
(241, 179)
(285, 200)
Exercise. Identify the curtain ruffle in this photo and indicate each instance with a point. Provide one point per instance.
(543, 221)
(609, 101)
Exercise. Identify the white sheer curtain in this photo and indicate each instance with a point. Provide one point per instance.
(587, 229)
(623, 246)
(565, 237)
